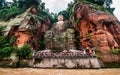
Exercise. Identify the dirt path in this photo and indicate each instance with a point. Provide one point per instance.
(31, 71)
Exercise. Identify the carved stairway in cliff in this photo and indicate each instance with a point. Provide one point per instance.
(60, 50)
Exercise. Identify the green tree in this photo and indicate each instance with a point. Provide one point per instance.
(54, 17)
(5, 52)
(10, 10)
(105, 3)
(1, 30)
(5, 45)
(25, 51)
(2, 3)
(65, 13)
(42, 5)
(24, 4)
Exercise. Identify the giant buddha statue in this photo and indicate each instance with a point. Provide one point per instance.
(61, 36)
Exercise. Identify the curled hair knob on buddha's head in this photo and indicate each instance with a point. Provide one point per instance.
(60, 18)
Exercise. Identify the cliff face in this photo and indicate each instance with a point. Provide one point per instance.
(27, 28)
(97, 29)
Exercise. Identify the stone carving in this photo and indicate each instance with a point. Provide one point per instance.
(60, 36)
(102, 28)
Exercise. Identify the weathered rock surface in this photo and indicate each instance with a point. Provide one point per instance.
(69, 63)
(60, 37)
(97, 29)
(25, 29)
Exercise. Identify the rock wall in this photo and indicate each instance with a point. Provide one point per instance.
(26, 30)
(97, 28)
(23, 37)
(69, 63)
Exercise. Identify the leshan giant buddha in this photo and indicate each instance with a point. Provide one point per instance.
(61, 36)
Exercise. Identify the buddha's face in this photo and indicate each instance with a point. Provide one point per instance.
(60, 18)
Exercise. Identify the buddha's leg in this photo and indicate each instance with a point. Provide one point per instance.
(71, 39)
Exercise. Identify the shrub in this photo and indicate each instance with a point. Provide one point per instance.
(6, 46)
(112, 64)
(3, 42)
(116, 51)
(12, 40)
(7, 13)
(5, 52)
(25, 51)
(1, 30)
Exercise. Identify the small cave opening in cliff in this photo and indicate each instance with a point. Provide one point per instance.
(109, 26)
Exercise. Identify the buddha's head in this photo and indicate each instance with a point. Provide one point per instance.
(60, 18)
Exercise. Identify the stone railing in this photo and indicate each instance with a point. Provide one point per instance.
(40, 54)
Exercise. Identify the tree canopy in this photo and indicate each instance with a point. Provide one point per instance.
(11, 9)
(105, 3)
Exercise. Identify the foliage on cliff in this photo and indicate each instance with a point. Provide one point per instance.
(7, 48)
(102, 5)
(5, 45)
(23, 51)
(11, 9)
(116, 51)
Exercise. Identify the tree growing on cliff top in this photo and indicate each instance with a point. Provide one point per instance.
(2, 3)
(105, 3)
(10, 10)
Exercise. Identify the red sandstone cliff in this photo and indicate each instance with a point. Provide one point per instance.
(28, 30)
(97, 29)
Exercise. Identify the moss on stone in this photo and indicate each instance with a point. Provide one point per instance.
(112, 65)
